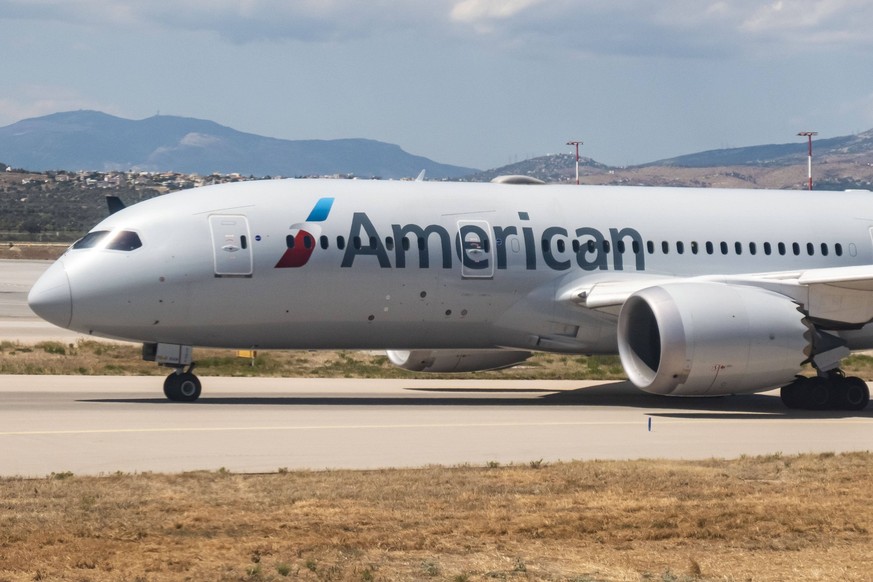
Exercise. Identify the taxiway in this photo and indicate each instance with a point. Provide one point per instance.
(94, 425)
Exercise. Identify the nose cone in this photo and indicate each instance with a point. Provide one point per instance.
(50, 298)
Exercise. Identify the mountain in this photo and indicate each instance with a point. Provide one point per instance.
(839, 163)
(776, 154)
(550, 168)
(91, 140)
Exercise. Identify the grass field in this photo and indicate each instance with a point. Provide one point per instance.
(770, 518)
(94, 358)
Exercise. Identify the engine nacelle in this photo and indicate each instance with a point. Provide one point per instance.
(444, 361)
(711, 339)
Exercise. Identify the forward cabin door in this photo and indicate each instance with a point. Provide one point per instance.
(231, 244)
(477, 249)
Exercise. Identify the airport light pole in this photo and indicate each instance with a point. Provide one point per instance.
(808, 135)
(577, 144)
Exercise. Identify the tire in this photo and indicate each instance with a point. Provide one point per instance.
(183, 387)
(856, 394)
(817, 394)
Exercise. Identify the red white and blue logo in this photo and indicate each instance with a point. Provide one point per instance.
(303, 236)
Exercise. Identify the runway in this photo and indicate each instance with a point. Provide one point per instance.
(96, 425)
(100, 425)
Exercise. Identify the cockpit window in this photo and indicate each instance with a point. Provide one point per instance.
(125, 240)
(122, 240)
(91, 240)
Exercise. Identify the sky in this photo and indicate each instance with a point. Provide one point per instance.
(477, 83)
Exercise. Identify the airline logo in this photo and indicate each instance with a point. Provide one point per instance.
(303, 236)
(557, 248)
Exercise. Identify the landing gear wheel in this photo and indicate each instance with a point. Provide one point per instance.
(855, 394)
(817, 394)
(182, 387)
(835, 392)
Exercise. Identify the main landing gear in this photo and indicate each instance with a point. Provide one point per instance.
(833, 391)
(182, 385)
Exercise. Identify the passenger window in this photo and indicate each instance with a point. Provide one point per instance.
(620, 246)
(767, 248)
(606, 246)
(374, 242)
(824, 249)
(680, 247)
(307, 242)
(575, 246)
(650, 246)
(665, 247)
(340, 242)
(405, 244)
(356, 242)
(709, 248)
(389, 243)
(635, 245)
(289, 241)
(738, 248)
(838, 249)
(781, 247)
(796, 248)
(325, 242)
(694, 247)
(810, 249)
(724, 248)
(753, 248)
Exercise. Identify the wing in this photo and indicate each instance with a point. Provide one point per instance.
(836, 297)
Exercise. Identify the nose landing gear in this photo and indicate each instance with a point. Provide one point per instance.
(182, 385)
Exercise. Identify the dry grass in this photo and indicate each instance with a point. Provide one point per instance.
(32, 251)
(93, 358)
(769, 518)
(103, 358)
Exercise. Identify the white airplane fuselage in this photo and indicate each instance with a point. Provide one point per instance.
(484, 266)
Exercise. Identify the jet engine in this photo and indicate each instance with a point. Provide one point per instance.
(693, 339)
(442, 361)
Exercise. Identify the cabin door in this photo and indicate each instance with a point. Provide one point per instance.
(476, 249)
(231, 244)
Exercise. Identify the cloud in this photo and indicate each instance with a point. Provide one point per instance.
(596, 27)
(479, 10)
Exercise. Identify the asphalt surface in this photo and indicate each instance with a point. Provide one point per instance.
(98, 425)
(94, 425)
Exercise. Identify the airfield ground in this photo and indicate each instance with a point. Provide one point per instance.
(770, 518)
(749, 519)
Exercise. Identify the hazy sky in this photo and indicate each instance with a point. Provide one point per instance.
(471, 82)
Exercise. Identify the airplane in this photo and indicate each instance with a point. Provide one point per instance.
(701, 292)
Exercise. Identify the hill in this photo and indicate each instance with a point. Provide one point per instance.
(91, 140)
(845, 147)
(838, 163)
